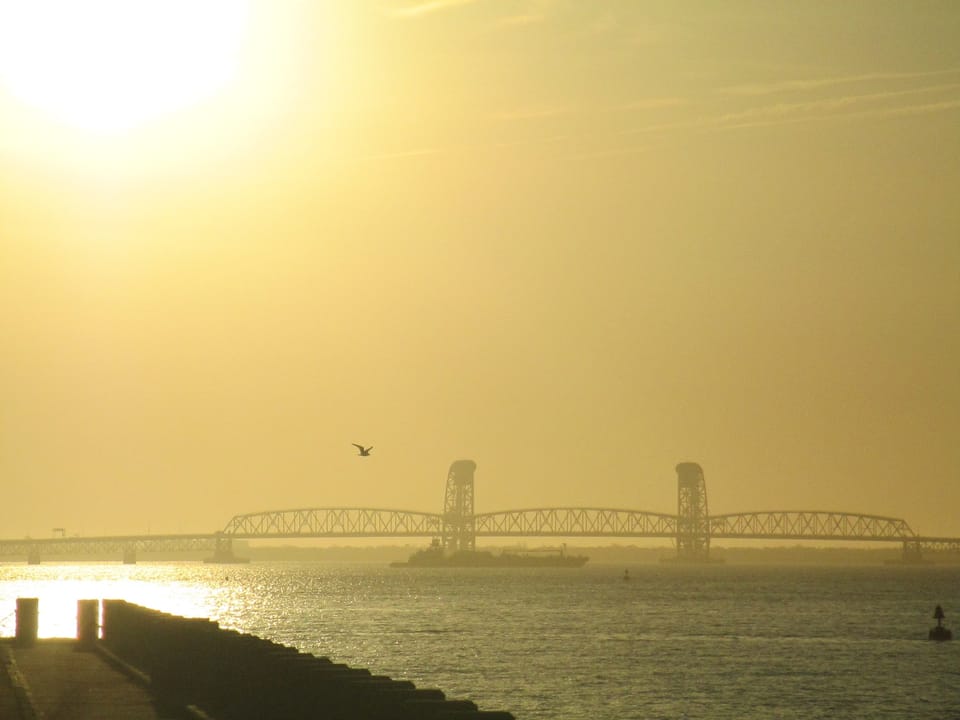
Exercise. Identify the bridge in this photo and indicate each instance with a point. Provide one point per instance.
(691, 528)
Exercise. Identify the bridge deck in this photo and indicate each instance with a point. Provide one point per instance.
(570, 522)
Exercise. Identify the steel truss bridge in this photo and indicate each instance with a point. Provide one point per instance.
(691, 528)
(127, 546)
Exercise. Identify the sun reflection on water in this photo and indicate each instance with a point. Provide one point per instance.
(59, 587)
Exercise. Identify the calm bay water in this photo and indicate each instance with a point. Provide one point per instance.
(674, 642)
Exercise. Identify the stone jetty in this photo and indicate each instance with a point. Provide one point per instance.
(148, 664)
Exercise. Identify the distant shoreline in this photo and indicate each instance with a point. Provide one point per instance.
(613, 554)
(599, 555)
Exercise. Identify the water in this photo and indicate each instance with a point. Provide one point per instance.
(674, 642)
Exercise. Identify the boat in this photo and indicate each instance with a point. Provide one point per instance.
(436, 556)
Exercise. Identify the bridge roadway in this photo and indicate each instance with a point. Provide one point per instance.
(691, 528)
(568, 522)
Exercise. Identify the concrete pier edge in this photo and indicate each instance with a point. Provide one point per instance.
(23, 697)
(196, 670)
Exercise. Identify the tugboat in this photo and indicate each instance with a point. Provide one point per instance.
(939, 633)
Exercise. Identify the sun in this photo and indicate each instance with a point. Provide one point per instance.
(111, 65)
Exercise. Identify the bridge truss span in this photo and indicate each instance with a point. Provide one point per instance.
(691, 528)
(575, 522)
(335, 522)
(920, 544)
(809, 525)
(80, 546)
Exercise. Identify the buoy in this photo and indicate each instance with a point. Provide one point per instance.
(939, 632)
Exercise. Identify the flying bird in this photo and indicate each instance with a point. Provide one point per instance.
(364, 452)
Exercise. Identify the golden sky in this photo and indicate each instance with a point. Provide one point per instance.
(576, 241)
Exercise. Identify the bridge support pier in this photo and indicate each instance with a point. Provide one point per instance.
(223, 551)
(129, 556)
(33, 556)
(912, 553)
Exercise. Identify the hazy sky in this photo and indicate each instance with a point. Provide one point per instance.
(576, 241)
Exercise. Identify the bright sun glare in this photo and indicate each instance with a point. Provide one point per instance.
(110, 65)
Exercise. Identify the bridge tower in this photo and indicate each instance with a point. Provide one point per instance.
(458, 524)
(693, 519)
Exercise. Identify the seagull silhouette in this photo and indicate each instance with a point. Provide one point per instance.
(364, 452)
